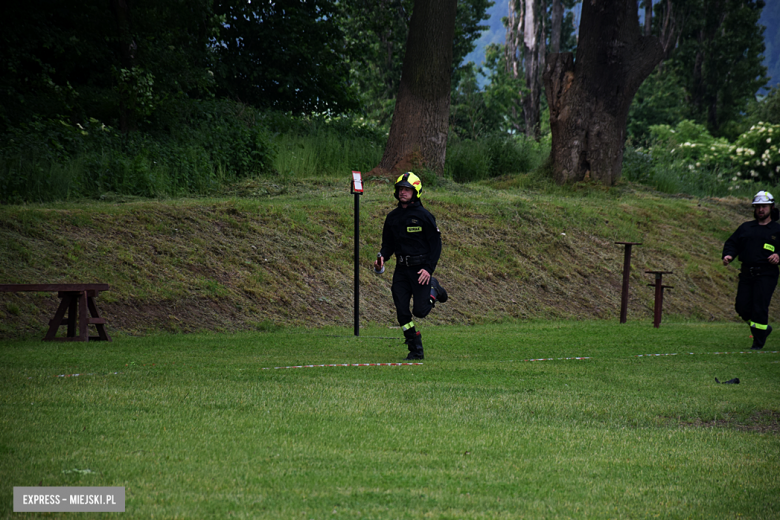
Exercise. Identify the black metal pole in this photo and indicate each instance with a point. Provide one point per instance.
(357, 264)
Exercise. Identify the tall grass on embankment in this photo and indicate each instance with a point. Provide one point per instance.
(280, 254)
(499, 421)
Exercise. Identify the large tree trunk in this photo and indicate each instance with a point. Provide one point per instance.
(589, 99)
(418, 133)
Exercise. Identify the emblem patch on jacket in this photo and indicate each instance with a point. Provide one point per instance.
(413, 229)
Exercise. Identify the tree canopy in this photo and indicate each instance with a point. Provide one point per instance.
(713, 68)
(63, 57)
(284, 54)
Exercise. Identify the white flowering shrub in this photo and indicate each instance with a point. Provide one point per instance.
(752, 158)
(756, 154)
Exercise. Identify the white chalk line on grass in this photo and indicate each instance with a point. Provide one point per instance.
(277, 368)
(713, 353)
(416, 364)
(88, 374)
(552, 359)
(346, 365)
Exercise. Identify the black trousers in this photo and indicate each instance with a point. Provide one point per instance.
(754, 293)
(405, 286)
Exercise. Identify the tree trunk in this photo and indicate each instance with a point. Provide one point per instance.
(648, 17)
(557, 24)
(418, 133)
(589, 99)
(531, 39)
(513, 35)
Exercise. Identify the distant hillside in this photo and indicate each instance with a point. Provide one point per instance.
(770, 18)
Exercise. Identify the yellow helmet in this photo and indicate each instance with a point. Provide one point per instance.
(409, 180)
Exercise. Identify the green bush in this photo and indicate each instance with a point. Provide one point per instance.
(468, 161)
(191, 147)
(473, 160)
(688, 159)
(320, 145)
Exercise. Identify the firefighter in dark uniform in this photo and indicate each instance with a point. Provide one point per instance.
(757, 244)
(410, 232)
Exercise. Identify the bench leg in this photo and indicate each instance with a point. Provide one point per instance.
(83, 317)
(54, 323)
(73, 314)
(101, 328)
(79, 306)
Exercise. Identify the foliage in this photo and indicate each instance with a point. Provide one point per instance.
(62, 60)
(688, 159)
(714, 36)
(51, 159)
(657, 102)
(493, 156)
(476, 113)
(318, 146)
(756, 153)
(764, 108)
(284, 55)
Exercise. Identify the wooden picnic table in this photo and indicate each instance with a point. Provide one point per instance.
(78, 299)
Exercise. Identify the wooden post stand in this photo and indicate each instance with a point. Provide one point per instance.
(659, 295)
(626, 278)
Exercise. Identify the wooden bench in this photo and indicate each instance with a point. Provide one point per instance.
(77, 300)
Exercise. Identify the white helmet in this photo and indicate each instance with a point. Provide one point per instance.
(763, 197)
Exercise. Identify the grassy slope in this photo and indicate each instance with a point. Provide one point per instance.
(270, 255)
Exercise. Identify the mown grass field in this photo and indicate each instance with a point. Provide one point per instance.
(193, 426)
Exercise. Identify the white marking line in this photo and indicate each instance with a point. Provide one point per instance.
(714, 353)
(346, 365)
(410, 364)
(553, 359)
(89, 374)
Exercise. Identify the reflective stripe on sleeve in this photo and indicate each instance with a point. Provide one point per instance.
(770, 247)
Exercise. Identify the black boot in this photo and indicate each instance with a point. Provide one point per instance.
(438, 294)
(414, 343)
(759, 337)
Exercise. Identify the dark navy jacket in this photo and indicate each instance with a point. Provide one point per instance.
(412, 231)
(754, 244)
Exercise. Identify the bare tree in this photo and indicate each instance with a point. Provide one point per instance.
(556, 26)
(512, 49)
(418, 133)
(589, 98)
(525, 25)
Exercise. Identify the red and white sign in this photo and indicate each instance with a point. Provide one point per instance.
(357, 182)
